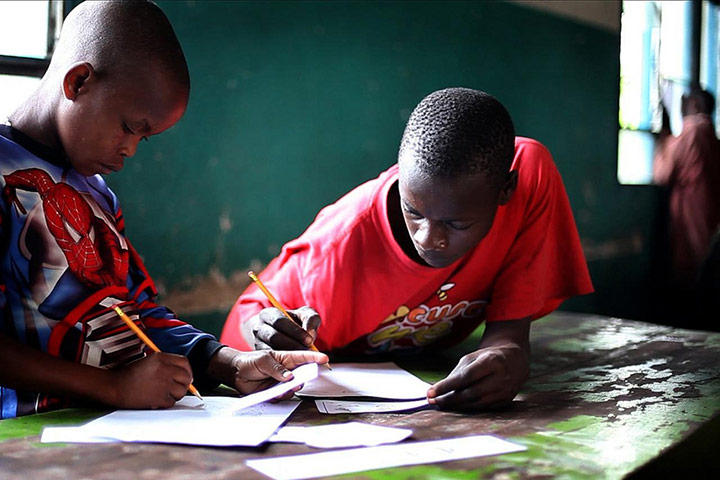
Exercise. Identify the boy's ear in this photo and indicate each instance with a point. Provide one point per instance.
(76, 78)
(508, 188)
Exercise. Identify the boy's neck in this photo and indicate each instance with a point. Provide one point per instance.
(398, 227)
(35, 119)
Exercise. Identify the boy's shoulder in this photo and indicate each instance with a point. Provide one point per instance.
(533, 161)
(530, 151)
(356, 206)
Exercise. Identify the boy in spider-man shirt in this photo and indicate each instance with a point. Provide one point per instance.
(472, 225)
(118, 75)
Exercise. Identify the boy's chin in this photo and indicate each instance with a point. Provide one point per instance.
(437, 261)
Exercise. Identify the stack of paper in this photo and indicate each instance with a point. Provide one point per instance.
(384, 381)
(217, 422)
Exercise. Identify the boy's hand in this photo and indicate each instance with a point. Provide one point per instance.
(491, 376)
(271, 329)
(248, 372)
(156, 381)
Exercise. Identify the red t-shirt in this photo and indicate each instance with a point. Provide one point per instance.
(373, 298)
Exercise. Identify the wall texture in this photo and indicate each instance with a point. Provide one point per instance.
(294, 103)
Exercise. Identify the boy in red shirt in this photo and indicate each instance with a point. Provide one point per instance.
(472, 225)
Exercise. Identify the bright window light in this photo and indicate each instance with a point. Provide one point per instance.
(24, 28)
(21, 88)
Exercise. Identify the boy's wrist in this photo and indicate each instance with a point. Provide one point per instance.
(221, 366)
(100, 385)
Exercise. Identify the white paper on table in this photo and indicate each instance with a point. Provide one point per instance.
(378, 380)
(72, 435)
(217, 422)
(324, 464)
(350, 406)
(301, 374)
(351, 434)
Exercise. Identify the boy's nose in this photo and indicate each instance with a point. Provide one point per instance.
(129, 148)
(431, 236)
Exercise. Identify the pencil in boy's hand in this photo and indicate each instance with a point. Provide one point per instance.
(145, 339)
(277, 305)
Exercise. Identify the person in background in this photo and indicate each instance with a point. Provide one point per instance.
(689, 167)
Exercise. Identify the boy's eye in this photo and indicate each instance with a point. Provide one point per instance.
(411, 213)
(458, 226)
(127, 129)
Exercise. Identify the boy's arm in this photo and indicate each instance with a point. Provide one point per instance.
(491, 376)
(156, 381)
(211, 362)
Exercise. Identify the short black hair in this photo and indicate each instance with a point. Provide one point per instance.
(460, 131)
(118, 36)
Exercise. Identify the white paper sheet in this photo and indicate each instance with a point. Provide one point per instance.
(218, 422)
(350, 406)
(301, 374)
(351, 434)
(378, 380)
(323, 464)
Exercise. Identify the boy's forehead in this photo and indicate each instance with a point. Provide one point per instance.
(410, 163)
(155, 100)
(415, 178)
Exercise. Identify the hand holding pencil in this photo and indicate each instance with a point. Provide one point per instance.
(277, 333)
(144, 338)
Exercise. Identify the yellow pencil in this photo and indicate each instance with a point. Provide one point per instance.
(277, 305)
(147, 341)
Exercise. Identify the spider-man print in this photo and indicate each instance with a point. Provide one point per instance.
(63, 255)
(93, 251)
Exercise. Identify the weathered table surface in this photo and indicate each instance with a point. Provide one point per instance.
(605, 398)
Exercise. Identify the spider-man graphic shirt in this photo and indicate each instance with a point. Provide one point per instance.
(65, 263)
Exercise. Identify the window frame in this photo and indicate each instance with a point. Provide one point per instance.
(36, 67)
(636, 145)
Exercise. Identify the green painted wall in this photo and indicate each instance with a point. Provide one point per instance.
(294, 103)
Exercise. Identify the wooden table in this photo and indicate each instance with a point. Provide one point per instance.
(607, 398)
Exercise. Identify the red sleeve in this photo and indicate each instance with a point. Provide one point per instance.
(545, 264)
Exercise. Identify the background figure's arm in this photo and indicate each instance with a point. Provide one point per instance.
(663, 166)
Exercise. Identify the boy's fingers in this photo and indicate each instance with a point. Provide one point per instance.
(461, 377)
(310, 319)
(489, 391)
(293, 360)
(276, 320)
(278, 340)
(178, 390)
(270, 366)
